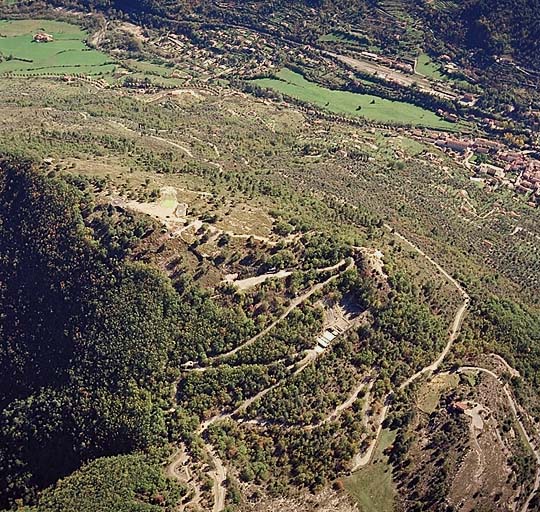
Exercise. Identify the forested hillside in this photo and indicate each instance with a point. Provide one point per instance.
(125, 483)
(493, 27)
(269, 255)
(85, 339)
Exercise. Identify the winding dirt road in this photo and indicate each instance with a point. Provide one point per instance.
(336, 413)
(219, 473)
(361, 460)
(219, 476)
(456, 327)
(250, 282)
(294, 304)
(174, 470)
(514, 407)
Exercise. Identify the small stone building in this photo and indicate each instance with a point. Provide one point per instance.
(42, 37)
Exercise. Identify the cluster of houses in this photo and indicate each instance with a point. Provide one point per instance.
(528, 181)
(448, 116)
(518, 170)
(224, 51)
(463, 146)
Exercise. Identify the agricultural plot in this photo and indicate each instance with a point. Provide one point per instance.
(66, 53)
(343, 102)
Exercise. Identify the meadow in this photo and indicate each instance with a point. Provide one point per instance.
(425, 66)
(372, 487)
(371, 107)
(66, 54)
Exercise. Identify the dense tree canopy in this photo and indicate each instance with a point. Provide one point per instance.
(125, 483)
(85, 340)
(497, 27)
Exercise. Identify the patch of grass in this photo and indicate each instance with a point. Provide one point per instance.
(343, 102)
(158, 80)
(168, 203)
(66, 54)
(411, 146)
(425, 66)
(372, 487)
(31, 26)
(149, 67)
(331, 38)
(471, 378)
(346, 37)
(430, 393)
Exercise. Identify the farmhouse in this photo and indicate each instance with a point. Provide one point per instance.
(42, 37)
(459, 407)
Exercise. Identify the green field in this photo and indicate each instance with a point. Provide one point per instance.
(372, 487)
(66, 54)
(332, 38)
(339, 36)
(343, 102)
(430, 393)
(425, 66)
(158, 73)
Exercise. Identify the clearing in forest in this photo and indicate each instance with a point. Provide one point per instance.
(372, 487)
(430, 393)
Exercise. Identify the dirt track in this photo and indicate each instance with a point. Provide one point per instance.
(514, 407)
(219, 474)
(294, 304)
(360, 461)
